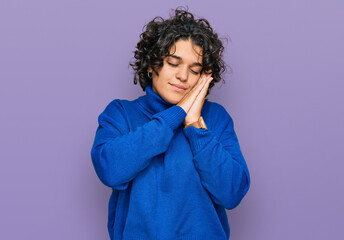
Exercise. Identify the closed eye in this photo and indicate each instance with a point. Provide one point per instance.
(175, 65)
(196, 73)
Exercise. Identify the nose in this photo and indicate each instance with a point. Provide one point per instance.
(182, 73)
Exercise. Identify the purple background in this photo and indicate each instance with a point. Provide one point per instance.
(63, 61)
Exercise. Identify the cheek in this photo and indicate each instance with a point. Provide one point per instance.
(167, 70)
(194, 81)
(168, 73)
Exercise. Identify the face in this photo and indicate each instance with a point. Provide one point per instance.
(182, 68)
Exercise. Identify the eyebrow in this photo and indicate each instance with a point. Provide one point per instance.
(180, 58)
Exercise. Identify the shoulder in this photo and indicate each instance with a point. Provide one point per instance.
(114, 111)
(117, 104)
(216, 112)
(114, 106)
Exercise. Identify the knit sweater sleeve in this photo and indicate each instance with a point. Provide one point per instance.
(219, 160)
(118, 154)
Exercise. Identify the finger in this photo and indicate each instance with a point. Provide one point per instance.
(199, 85)
(208, 72)
(205, 88)
(197, 94)
(203, 77)
(191, 97)
(197, 88)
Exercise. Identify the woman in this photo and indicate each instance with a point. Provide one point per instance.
(171, 157)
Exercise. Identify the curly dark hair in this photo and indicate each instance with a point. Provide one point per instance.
(156, 41)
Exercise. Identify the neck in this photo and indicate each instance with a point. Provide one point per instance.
(152, 101)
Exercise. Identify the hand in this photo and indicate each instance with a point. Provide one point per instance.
(192, 102)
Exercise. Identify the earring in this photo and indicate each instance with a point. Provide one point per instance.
(149, 76)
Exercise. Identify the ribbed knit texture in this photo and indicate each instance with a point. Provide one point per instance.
(168, 182)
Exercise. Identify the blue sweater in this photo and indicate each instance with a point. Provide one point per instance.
(168, 182)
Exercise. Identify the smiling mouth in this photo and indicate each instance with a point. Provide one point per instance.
(178, 89)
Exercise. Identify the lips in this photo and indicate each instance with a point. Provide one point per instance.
(179, 86)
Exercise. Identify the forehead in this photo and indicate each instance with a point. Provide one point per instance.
(188, 51)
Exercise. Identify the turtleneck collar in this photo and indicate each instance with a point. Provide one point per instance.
(152, 102)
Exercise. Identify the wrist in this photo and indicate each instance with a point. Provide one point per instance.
(197, 124)
(190, 122)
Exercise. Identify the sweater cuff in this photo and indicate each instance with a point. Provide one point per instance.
(198, 138)
(173, 116)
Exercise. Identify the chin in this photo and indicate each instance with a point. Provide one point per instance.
(173, 101)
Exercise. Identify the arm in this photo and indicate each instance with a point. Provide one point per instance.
(220, 163)
(118, 154)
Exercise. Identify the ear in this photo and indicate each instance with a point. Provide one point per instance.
(149, 69)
